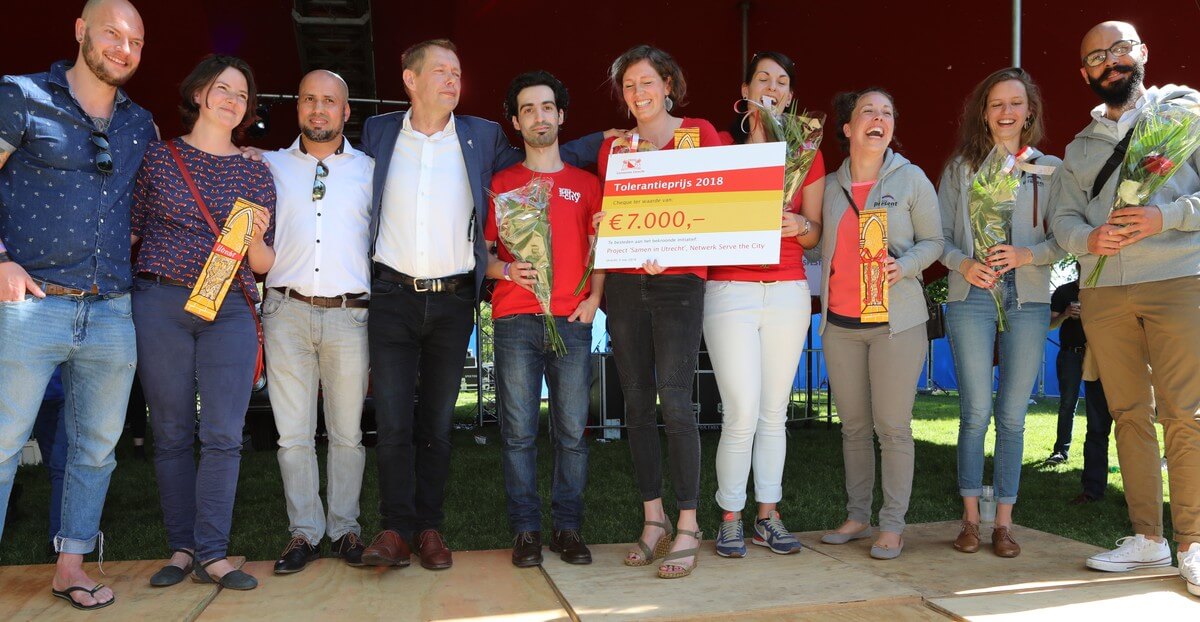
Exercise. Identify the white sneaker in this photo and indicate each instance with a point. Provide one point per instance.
(1132, 552)
(1189, 567)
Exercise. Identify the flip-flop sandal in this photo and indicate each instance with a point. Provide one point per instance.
(66, 595)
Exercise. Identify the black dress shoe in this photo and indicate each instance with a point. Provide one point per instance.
(527, 549)
(349, 548)
(570, 547)
(297, 554)
(170, 575)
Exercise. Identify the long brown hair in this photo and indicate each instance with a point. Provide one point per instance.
(975, 137)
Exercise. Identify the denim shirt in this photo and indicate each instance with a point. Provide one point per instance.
(61, 219)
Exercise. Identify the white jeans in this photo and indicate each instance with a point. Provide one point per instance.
(755, 334)
(306, 345)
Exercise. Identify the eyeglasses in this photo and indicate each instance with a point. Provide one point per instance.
(104, 160)
(1095, 58)
(318, 192)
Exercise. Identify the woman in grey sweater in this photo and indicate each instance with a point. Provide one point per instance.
(874, 366)
(1004, 109)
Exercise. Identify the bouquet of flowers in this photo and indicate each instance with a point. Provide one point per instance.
(1164, 136)
(523, 226)
(801, 132)
(990, 205)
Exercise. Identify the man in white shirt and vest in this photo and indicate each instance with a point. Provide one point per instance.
(432, 170)
(315, 320)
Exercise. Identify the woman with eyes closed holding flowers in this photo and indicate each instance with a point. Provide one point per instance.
(655, 316)
(1005, 109)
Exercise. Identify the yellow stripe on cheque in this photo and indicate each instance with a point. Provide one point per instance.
(713, 214)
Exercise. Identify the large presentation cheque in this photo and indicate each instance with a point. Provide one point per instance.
(693, 207)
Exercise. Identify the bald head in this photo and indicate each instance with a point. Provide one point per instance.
(322, 106)
(111, 36)
(1103, 35)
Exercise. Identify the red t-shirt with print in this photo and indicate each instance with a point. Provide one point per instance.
(845, 299)
(574, 198)
(708, 138)
(791, 253)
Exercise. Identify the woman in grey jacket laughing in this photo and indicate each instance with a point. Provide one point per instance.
(874, 366)
(1004, 109)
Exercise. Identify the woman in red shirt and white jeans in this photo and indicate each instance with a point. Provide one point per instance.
(654, 318)
(755, 323)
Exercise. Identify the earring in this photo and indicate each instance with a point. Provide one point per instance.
(669, 103)
(1028, 122)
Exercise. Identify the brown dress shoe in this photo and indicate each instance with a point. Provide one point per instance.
(968, 539)
(432, 549)
(568, 543)
(388, 549)
(1003, 543)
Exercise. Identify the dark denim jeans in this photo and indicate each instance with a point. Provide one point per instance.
(1069, 366)
(1095, 444)
(655, 323)
(523, 356)
(410, 335)
(180, 355)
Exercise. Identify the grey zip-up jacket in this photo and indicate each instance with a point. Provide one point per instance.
(1033, 280)
(914, 232)
(1172, 253)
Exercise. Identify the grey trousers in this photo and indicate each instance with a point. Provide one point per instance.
(873, 375)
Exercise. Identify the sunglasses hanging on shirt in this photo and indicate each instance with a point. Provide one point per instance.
(318, 190)
(104, 160)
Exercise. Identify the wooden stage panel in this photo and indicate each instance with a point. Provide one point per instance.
(931, 566)
(26, 594)
(482, 585)
(1157, 599)
(763, 584)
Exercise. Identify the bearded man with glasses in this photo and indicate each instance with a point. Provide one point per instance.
(71, 143)
(1140, 318)
(315, 320)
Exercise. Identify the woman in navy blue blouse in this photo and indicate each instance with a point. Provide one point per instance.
(180, 354)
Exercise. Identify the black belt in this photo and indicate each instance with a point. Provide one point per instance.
(446, 284)
(162, 280)
(1076, 349)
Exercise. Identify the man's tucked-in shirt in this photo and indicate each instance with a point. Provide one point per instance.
(322, 245)
(62, 219)
(425, 228)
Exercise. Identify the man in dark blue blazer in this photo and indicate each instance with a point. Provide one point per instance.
(432, 171)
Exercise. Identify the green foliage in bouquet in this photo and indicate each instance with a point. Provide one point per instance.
(989, 206)
(523, 226)
(802, 132)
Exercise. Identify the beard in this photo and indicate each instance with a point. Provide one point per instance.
(95, 62)
(1121, 92)
(321, 136)
(533, 139)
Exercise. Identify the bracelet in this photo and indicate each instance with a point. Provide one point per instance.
(4, 258)
(807, 226)
(507, 265)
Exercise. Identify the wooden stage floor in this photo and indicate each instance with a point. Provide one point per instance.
(930, 581)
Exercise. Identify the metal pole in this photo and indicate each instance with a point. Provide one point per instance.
(744, 5)
(1016, 33)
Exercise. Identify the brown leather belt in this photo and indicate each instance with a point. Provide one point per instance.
(445, 284)
(162, 280)
(350, 301)
(50, 289)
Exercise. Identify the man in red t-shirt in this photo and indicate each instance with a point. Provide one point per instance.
(536, 103)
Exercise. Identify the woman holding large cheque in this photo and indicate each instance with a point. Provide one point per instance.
(179, 353)
(1003, 282)
(755, 322)
(875, 358)
(654, 318)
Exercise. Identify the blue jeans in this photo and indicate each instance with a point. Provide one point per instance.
(183, 355)
(523, 355)
(50, 430)
(971, 327)
(92, 338)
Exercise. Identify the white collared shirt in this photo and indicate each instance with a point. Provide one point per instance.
(425, 223)
(1117, 129)
(322, 246)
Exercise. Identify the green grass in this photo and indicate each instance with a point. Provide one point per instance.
(814, 496)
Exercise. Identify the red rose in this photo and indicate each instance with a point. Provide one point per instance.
(1157, 165)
